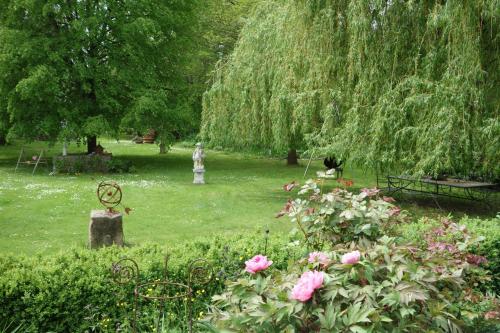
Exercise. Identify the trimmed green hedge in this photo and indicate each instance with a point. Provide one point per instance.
(73, 291)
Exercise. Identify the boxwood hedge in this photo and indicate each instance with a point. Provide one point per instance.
(73, 291)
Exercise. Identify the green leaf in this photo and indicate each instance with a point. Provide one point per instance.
(357, 329)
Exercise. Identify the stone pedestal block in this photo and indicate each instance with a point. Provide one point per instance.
(199, 176)
(105, 229)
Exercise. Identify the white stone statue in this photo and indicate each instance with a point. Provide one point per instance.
(199, 168)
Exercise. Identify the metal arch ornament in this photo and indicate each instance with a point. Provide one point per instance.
(126, 271)
(109, 194)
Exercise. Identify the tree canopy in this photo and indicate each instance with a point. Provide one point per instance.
(400, 85)
(73, 69)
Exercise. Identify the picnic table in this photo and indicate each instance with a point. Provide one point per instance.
(449, 187)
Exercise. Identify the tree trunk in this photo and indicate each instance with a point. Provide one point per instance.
(292, 158)
(91, 144)
(163, 149)
(3, 140)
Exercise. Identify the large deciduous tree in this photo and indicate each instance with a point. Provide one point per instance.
(176, 112)
(400, 85)
(72, 69)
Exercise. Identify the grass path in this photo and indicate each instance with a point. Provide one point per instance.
(45, 214)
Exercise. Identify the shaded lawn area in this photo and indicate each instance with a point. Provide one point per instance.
(45, 214)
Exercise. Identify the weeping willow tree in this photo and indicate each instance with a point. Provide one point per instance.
(406, 85)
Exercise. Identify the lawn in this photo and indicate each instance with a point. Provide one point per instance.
(45, 214)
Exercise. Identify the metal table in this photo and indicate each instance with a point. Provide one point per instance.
(450, 187)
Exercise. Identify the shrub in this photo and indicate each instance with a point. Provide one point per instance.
(363, 281)
(73, 292)
(116, 165)
(81, 163)
(392, 288)
(340, 216)
(91, 163)
(489, 229)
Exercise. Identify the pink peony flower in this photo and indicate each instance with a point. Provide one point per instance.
(257, 264)
(302, 292)
(319, 257)
(350, 258)
(306, 285)
(314, 278)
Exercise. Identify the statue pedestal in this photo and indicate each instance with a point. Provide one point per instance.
(105, 229)
(199, 176)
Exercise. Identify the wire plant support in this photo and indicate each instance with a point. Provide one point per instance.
(126, 272)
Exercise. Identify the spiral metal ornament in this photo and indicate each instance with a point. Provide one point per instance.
(125, 271)
(200, 272)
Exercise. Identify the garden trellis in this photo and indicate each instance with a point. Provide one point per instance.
(400, 85)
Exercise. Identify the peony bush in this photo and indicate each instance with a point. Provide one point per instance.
(383, 287)
(357, 278)
(341, 216)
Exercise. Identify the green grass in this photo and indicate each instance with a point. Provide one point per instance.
(45, 214)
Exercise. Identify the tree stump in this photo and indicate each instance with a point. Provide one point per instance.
(105, 229)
